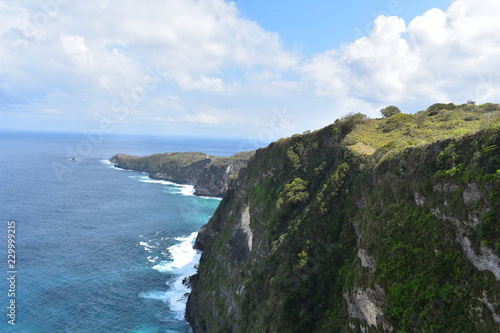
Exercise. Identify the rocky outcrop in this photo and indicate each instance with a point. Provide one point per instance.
(209, 174)
(367, 306)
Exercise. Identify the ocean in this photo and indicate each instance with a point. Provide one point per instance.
(97, 249)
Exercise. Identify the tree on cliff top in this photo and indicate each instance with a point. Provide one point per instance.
(390, 111)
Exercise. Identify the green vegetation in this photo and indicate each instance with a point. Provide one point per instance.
(361, 226)
(294, 193)
(170, 161)
(438, 122)
(424, 274)
(159, 162)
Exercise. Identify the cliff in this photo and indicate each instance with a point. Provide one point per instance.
(209, 174)
(367, 225)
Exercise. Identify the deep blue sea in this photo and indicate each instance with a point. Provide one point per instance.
(98, 249)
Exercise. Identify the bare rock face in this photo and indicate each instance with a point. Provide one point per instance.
(366, 260)
(240, 243)
(367, 305)
(472, 194)
(214, 179)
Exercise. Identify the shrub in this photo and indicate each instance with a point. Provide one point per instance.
(397, 121)
(390, 111)
(488, 107)
(294, 193)
(435, 108)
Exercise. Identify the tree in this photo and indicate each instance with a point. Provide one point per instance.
(390, 111)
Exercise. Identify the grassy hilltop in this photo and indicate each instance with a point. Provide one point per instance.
(438, 122)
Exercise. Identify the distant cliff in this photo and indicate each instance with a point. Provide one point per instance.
(367, 225)
(209, 174)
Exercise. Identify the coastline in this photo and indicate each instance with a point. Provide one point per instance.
(185, 256)
(210, 175)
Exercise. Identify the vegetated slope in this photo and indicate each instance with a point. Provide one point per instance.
(209, 174)
(315, 236)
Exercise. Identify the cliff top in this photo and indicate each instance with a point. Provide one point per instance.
(156, 162)
(438, 122)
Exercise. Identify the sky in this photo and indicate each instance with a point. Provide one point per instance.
(246, 68)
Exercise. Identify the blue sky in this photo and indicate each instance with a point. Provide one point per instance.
(251, 68)
(320, 25)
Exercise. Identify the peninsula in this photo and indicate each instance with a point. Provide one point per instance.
(209, 174)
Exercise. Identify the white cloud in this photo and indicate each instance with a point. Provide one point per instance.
(439, 56)
(199, 61)
(53, 112)
(76, 49)
(161, 119)
(201, 117)
(104, 49)
(204, 82)
(170, 102)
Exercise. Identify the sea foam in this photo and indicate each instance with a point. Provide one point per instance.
(187, 190)
(146, 179)
(117, 168)
(182, 254)
(147, 246)
(182, 265)
(174, 188)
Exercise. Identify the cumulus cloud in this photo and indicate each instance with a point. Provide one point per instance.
(167, 60)
(104, 48)
(439, 56)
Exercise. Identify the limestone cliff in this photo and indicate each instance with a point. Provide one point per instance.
(209, 174)
(321, 234)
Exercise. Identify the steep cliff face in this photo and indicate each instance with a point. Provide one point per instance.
(214, 180)
(314, 236)
(209, 174)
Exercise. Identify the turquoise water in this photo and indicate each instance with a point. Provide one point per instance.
(98, 249)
